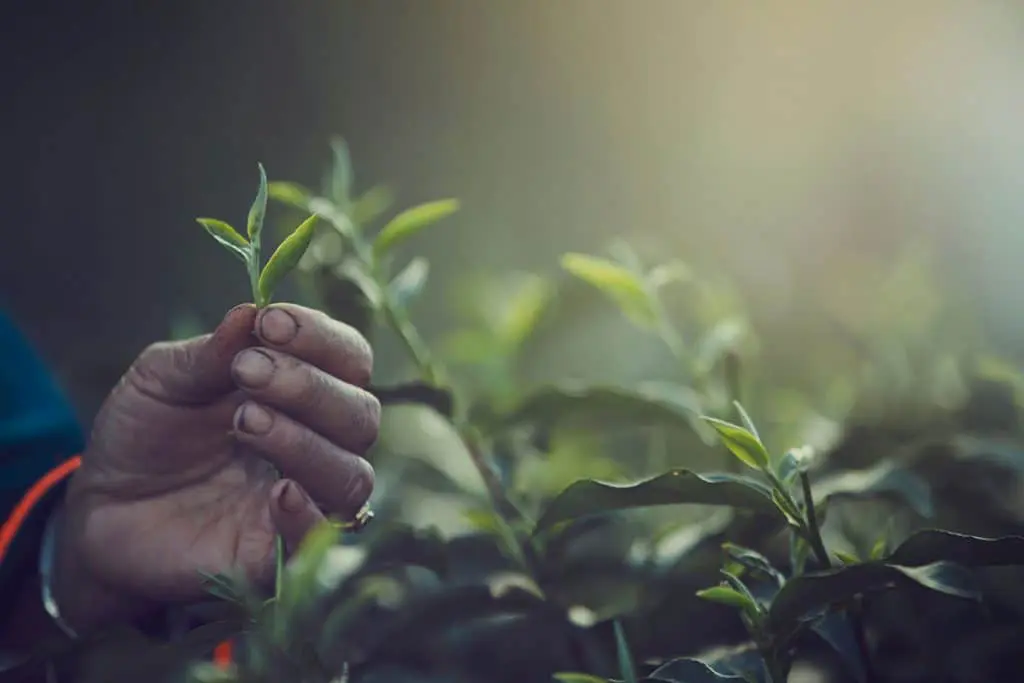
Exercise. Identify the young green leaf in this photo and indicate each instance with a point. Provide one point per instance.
(726, 595)
(258, 210)
(741, 443)
(845, 557)
(626, 666)
(676, 487)
(618, 283)
(409, 282)
(371, 205)
(411, 221)
(227, 236)
(285, 258)
(292, 194)
(747, 422)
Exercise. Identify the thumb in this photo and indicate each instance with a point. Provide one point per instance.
(293, 512)
(199, 369)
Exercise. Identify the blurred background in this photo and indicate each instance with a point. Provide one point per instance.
(845, 165)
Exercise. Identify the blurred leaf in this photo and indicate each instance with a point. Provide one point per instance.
(299, 585)
(932, 545)
(724, 337)
(524, 311)
(207, 672)
(885, 480)
(258, 210)
(339, 185)
(626, 666)
(285, 258)
(646, 404)
(407, 285)
(846, 558)
(687, 670)
(810, 593)
(741, 443)
(227, 236)
(292, 194)
(836, 629)
(411, 221)
(676, 487)
(419, 393)
(371, 205)
(668, 273)
(622, 286)
(572, 677)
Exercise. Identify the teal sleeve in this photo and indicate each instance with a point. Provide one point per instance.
(38, 431)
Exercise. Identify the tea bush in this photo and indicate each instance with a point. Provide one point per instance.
(889, 553)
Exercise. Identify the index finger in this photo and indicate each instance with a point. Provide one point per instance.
(313, 336)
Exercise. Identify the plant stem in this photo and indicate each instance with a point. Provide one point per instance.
(813, 529)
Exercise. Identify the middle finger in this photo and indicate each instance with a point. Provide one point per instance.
(343, 413)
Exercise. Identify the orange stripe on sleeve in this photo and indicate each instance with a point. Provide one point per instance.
(31, 498)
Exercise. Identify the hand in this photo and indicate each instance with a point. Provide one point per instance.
(179, 476)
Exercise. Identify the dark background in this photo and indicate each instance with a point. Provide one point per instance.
(777, 144)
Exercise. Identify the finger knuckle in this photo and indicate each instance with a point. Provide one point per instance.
(365, 421)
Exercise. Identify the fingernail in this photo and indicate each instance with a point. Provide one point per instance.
(253, 368)
(292, 498)
(277, 326)
(253, 419)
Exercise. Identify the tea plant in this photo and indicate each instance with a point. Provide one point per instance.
(576, 585)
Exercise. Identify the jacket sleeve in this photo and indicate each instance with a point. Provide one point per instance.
(39, 444)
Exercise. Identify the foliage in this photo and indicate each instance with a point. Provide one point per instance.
(785, 558)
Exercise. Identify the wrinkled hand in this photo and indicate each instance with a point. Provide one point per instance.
(179, 476)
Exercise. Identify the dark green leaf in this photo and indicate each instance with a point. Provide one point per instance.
(411, 221)
(285, 258)
(810, 593)
(836, 630)
(676, 487)
(885, 480)
(626, 666)
(741, 443)
(932, 545)
(292, 194)
(258, 210)
(755, 561)
(686, 670)
(618, 283)
(407, 285)
(227, 236)
(646, 404)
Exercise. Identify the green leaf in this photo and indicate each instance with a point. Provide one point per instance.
(573, 677)
(845, 557)
(748, 424)
(618, 283)
(755, 561)
(932, 545)
(741, 443)
(805, 595)
(675, 487)
(836, 630)
(227, 236)
(668, 273)
(525, 310)
(407, 285)
(645, 404)
(626, 666)
(411, 221)
(726, 595)
(339, 186)
(285, 258)
(371, 205)
(258, 210)
(292, 194)
(299, 584)
(887, 479)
